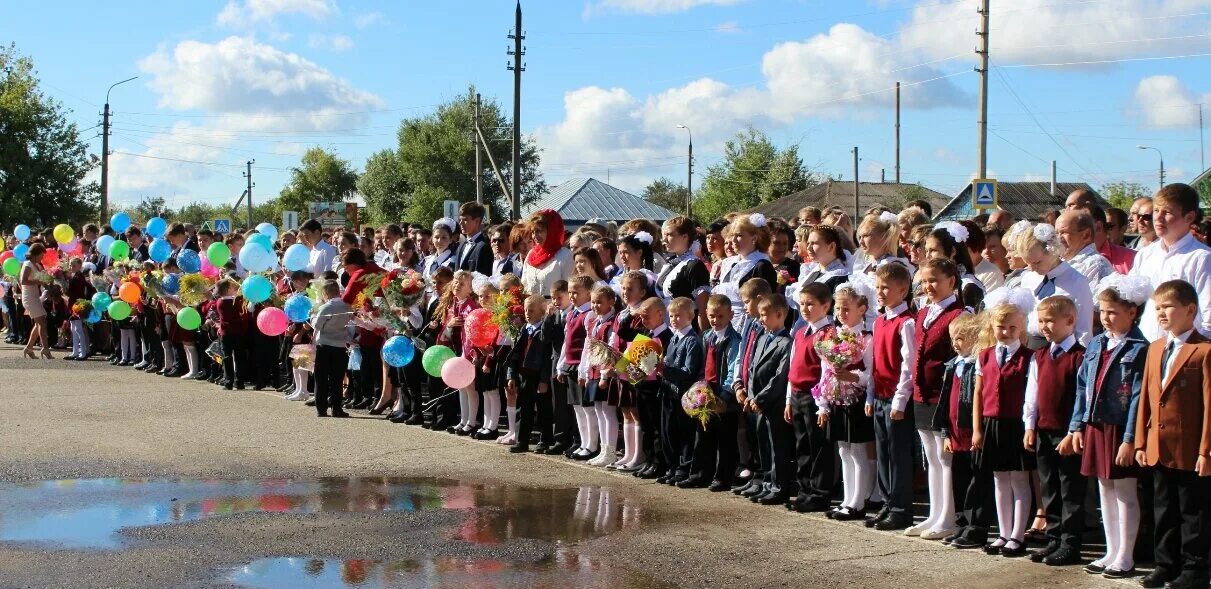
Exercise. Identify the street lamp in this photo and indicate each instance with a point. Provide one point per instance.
(105, 153)
(689, 182)
(1161, 176)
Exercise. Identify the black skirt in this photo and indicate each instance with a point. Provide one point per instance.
(500, 369)
(849, 423)
(923, 414)
(1003, 450)
(623, 394)
(595, 393)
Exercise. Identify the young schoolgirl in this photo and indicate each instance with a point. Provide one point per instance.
(827, 266)
(443, 406)
(233, 333)
(634, 255)
(846, 424)
(298, 334)
(948, 240)
(749, 237)
(78, 288)
(635, 289)
(599, 382)
(490, 367)
(586, 261)
(997, 427)
(568, 368)
(457, 301)
(504, 348)
(1103, 417)
(878, 237)
(970, 486)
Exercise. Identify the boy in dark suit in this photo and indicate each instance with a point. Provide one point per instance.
(652, 314)
(528, 372)
(766, 396)
(715, 449)
(1173, 437)
(682, 368)
(750, 329)
(473, 254)
(563, 420)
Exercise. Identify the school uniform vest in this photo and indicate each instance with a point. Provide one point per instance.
(933, 350)
(573, 339)
(600, 329)
(1004, 387)
(1057, 386)
(887, 344)
(805, 364)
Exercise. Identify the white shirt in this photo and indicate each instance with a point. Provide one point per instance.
(989, 275)
(590, 323)
(936, 309)
(563, 365)
(540, 280)
(908, 356)
(1030, 409)
(1092, 264)
(469, 243)
(811, 328)
(322, 257)
(1188, 260)
(1177, 341)
(1070, 283)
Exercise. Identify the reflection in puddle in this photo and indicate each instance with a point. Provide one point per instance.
(88, 512)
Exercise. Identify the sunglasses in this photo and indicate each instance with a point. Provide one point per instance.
(499, 240)
(1147, 217)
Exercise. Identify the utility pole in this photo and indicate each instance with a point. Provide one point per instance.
(897, 132)
(517, 67)
(689, 180)
(1202, 150)
(105, 153)
(248, 175)
(982, 155)
(479, 168)
(1052, 177)
(857, 206)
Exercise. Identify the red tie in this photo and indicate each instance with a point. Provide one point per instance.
(748, 354)
(712, 371)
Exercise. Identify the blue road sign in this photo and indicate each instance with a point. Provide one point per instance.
(984, 194)
(222, 226)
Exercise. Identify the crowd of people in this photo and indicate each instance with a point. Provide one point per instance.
(1012, 362)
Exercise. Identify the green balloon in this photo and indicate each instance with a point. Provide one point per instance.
(119, 310)
(119, 251)
(12, 267)
(434, 358)
(218, 253)
(188, 318)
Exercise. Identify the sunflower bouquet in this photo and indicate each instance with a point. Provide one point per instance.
(81, 308)
(195, 289)
(701, 403)
(642, 356)
(153, 284)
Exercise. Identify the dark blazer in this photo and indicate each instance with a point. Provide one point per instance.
(478, 255)
(683, 363)
(767, 375)
(507, 266)
(530, 355)
(1117, 402)
(1174, 423)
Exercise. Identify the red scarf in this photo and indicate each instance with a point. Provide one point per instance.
(543, 253)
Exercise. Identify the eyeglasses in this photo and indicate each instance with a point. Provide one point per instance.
(1147, 217)
(499, 240)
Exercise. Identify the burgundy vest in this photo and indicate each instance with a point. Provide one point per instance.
(1004, 389)
(933, 351)
(573, 339)
(600, 329)
(887, 344)
(805, 362)
(960, 437)
(1057, 386)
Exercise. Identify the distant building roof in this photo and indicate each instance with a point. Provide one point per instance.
(1023, 200)
(1199, 179)
(580, 199)
(841, 194)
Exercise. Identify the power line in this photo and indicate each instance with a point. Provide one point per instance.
(173, 159)
(1105, 61)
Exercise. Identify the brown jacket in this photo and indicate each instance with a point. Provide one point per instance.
(1173, 427)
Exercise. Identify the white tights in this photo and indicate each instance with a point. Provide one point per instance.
(468, 404)
(633, 436)
(857, 474)
(941, 493)
(607, 425)
(1120, 520)
(491, 410)
(586, 424)
(300, 381)
(1012, 492)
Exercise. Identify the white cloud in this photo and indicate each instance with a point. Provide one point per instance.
(237, 13)
(330, 42)
(651, 6)
(367, 19)
(728, 28)
(1164, 102)
(154, 165)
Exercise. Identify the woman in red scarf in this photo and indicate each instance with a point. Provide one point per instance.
(548, 259)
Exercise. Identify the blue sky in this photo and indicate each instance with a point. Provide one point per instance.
(607, 82)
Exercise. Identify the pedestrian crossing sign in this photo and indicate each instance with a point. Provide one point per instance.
(222, 226)
(205, 226)
(984, 194)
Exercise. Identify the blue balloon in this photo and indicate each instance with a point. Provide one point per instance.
(93, 316)
(172, 283)
(20, 251)
(159, 250)
(297, 308)
(21, 232)
(398, 351)
(104, 243)
(156, 227)
(268, 229)
(256, 257)
(256, 289)
(101, 300)
(297, 257)
(189, 262)
(262, 239)
(120, 222)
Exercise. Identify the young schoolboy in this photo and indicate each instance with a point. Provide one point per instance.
(766, 396)
(750, 295)
(1050, 396)
(331, 357)
(682, 368)
(664, 458)
(233, 333)
(814, 453)
(1176, 254)
(580, 288)
(528, 372)
(1173, 437)
(715, 446)
(563, 418)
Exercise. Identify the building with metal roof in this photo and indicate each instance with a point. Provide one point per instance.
(1023, 200)
(840, 193)
(580, 199)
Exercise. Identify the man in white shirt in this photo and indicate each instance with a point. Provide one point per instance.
(1075, 228)
(322, 253)
(1175, 255)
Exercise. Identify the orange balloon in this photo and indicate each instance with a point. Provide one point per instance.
(130, 292)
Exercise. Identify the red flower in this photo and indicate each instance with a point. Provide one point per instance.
(516, 310)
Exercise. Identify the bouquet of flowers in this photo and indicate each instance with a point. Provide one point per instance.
(838, 348)
(303, 356)
(81, 308)
(153, 284)
(194, 289)
(642, 357)
(508, 311)
(601, 354)
(786, 278)
(701, 403)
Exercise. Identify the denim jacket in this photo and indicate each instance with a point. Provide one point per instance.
(1119, 400)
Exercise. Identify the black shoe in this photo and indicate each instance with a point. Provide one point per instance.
(322, 414)
(718, 487)
(415, 420)
(485, 435)
(1157, 578)
(676, 478)
(754, 491)
(378, 410)
(1113, 573)
(649, 473)
(463, 431)
(519, 449)
(1044, 552)
(541, 448)
(742, 487)
(775, 498)
(308, 402)
(583, 456)
(894, 521)
(284, 388)
(846, 515)
(1013, 549)
(1094, 568)
(556, 449)
(339, 413)
(764, 492)
(1063, 556)
(569, 451)
(991, 550)
(397, 418)
(1188, 580)
(227, 387)
(874, 520)
(363, 404)
(694, 482)
(965, 543)
(814, 505)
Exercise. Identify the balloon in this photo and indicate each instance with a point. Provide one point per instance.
(189, 261)
(120, 222)
(458, 373)
(12, 267)
(208, 269)
(156, 227)
(435, 357)
(297, 257)
(272, 321)
(50, 258)
(119, 310)
(64, 233)
(130, 292)
(262, 239)
(398, 351)
(159, 250)
(101, 300)
(1, 245)
(104, 243)
(68, 247)
(256, 288)
(189, 318)
(119, 251)
(218, 253)
(4, 256)
(93, 316)
(172, 283)
(21, 232)
(268, 229)
(298, 308)
(20, 251)
(256, 257)
(479, 328)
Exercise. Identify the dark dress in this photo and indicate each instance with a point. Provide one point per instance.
(1102, 441)
(849, 423)
(622, 393)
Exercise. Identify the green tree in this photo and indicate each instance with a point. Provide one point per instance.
(320, 177)
(385, 188)
(753, 171)
(666, 193)
(200, 212)
(1204, 192)
(43, 160)
(1122, 193)
(150, 207)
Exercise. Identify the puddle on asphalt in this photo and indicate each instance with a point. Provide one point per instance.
(88, 513)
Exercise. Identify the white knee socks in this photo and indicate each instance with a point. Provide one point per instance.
(607, 431)
(491, 410)
(633, 437)
(472, 407)
(168, 355)
(941, 496)
(591, 429)
(1120, 520)
(512, 414)
(191, 359)
(848, 476)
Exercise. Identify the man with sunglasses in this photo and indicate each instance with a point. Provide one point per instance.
(1141, 222)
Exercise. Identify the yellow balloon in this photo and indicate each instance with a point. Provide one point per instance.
(64, 233)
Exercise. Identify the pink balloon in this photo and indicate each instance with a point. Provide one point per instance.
(272, 321)
(71, 246)
(4, 255)
(458, 372)
(209, 270)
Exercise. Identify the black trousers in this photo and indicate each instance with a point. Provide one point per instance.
(676, 432)
(531, 403)
(412, 377)
(330, 363)
(370, 377)
(263, 359)
(235, 359)
(778, 451)
(650, 406)
(816, 460)
(894, 442)
(960, 479)
(976, 497)
(715, 448)
(563, 416)
(1183, 522)
(444, 405)
(1063, 489)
